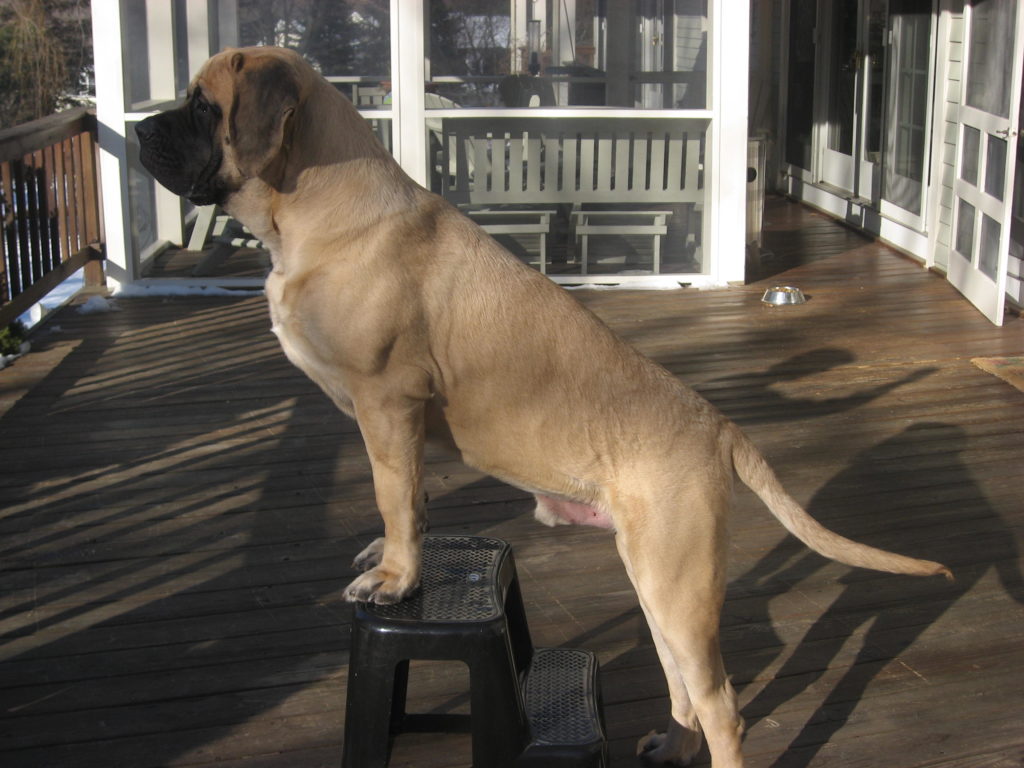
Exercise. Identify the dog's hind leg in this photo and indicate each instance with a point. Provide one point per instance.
(676, 562)
(394, 433)
(681, 741)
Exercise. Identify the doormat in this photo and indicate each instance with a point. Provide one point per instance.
(1009, 369)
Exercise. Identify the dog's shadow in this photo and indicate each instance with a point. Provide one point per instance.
(923, 502)
(769, 405)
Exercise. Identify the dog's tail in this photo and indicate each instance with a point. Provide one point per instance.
(754, 471)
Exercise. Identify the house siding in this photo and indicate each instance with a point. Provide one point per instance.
(950, 99)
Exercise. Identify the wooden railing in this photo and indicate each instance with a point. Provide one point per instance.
(50, 207)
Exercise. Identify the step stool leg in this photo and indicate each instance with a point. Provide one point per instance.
(373, 707)
(501, 730)
(518, 629)
(398, 696)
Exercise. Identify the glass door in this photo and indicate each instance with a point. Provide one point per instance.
(988, 126)
(908, 114)
(843, 62)
(853, 64)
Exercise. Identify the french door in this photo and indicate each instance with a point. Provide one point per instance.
(988, 124)
(850, 104)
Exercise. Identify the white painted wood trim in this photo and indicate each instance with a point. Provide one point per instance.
(121, 266)
(609, 112)
(726, 184)
(197, 20)
(159, 45)
(408, 74)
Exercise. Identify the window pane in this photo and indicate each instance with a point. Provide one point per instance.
(995, 167)
(965, 230)
(348, 41)
(800, 91)
(155, 46)
(990, 55)
(875, 76)
(988, 256)
(969, 155)
(908, 104)
(650, 54)
(843, 59)
(579, 195)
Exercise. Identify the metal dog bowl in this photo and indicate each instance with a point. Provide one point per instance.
(780, 295)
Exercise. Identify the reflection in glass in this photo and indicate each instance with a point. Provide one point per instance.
(969, 155)
(844, 61)
(988, 252)
(877, 32)
(800, 89)
(156, 53)
(348, 41)
(496, 53)
(990, 55)
(995, 167)
(906, 140)
(965, 230)
(579, 195)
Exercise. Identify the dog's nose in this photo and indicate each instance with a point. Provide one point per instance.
(144, 130)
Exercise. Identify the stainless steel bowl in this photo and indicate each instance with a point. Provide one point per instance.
(780, 295)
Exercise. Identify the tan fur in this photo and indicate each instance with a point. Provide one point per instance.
(420, 326)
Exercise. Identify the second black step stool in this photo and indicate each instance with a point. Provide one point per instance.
(529, 707)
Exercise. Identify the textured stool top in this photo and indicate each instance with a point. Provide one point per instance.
(459, 582)
(561, 698)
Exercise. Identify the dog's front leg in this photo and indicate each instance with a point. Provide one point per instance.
(393, 430)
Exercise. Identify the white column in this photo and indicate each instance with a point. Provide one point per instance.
(121, 267)
(160, 46)
(409, 69)
(518, 14)
(727, 200)
(197, 22)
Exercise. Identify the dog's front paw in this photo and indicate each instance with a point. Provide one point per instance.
(675, 749)
(371, 556)
(382, 586)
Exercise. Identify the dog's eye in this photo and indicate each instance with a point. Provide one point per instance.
(203, 107)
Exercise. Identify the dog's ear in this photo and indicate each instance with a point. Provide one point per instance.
(266, 96)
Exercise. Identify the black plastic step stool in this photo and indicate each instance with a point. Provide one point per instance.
(529, 707)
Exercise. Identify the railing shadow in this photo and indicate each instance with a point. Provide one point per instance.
(204, 565)
(908, 514)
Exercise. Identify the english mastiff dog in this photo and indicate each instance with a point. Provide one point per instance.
(421, 327)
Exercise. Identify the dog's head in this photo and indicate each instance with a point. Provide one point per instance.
(232, 128)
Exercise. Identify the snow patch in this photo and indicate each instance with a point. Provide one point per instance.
(6, 360)
(97, 304)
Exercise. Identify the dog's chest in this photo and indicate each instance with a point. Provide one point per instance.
(296, 347)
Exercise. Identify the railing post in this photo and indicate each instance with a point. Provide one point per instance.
(49, 204)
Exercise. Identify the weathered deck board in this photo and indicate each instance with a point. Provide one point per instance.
(178, 506)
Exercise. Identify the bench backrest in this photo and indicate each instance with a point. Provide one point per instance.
(579, 159)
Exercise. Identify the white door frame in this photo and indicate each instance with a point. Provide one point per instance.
(987, 292)
(886, 208)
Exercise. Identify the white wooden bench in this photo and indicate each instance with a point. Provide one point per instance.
(531, 162)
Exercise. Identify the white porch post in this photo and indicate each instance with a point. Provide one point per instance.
(409, 70)
(162, 88)
(121, 265)
(198, 24)
(727, 201)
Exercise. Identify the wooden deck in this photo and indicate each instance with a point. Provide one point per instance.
(178, 508)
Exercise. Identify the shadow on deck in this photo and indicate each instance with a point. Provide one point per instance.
(180, 505)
